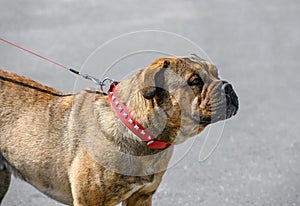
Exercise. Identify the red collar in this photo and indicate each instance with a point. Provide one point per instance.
(128, 120)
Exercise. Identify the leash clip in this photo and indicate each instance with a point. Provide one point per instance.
(98, 82)
(102, 83)
(93, 79)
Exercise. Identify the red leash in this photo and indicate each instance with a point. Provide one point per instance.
(35, 54)
(86, 76)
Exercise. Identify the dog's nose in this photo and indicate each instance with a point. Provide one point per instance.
(227, 88)
(232, 102)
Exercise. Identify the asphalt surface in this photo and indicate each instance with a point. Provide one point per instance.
(254, 43)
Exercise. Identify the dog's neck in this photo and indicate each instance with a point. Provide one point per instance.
(146, 112)
(131, 123)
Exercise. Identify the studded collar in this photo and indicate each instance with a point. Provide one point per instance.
(127, 119)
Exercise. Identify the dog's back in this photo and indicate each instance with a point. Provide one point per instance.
(15, 87)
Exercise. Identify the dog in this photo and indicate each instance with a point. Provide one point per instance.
(96, 148)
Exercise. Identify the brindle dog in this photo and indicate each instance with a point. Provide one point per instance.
(75, 149)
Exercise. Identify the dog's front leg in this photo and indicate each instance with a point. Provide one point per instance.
(4, 183)
(138, 199)
(85, 194)
(90, 183)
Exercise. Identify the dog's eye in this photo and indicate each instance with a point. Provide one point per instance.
(196, 81)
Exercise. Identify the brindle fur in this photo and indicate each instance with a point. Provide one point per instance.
(43, 132)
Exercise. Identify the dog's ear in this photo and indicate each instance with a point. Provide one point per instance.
(154, 80)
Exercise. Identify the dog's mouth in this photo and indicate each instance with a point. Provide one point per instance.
(201, 121)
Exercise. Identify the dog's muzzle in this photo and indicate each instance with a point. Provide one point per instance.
(223, 104)
(232, 103)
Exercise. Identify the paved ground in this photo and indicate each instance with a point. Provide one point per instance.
(256, 46)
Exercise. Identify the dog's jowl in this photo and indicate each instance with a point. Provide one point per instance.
(96, 148)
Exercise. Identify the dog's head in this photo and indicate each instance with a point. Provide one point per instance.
(185, 94)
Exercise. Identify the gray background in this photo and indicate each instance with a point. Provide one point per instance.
(255, 45)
